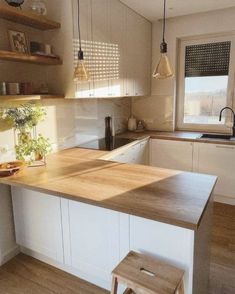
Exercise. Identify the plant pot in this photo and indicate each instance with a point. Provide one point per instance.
(38, 156)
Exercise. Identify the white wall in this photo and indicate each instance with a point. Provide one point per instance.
(158, 110)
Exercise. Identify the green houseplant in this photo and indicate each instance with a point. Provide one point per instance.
(24, 120)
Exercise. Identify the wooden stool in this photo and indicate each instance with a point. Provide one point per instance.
(145, 275)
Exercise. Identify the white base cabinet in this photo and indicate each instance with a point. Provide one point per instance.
(171, 154)
(217, 160)
(137, 154)
(208, 158)
(98, 241)
(38, 222)
(89, 241)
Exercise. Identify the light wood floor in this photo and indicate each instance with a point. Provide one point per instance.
(222, 276)
(25, 275)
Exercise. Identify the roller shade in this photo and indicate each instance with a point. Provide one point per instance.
(207, 59)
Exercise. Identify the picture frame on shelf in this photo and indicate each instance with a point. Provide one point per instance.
(18, 41)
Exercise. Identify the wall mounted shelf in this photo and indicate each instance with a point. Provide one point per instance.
(27, 18)
(7, 98)
(28, 58)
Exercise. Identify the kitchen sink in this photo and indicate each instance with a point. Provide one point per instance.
(217, 136)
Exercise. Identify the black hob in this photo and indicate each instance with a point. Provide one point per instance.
(106, 144)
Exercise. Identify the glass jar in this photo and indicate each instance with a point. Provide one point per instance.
(38, 6)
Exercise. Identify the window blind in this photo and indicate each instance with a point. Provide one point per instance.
(210, 59)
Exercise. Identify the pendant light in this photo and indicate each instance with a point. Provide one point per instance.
(80, 72)
(163, 69)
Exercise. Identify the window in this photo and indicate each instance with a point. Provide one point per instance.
(205, 68)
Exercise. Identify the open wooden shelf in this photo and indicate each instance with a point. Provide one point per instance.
(27, 18)
(28, 58)
(28, 97)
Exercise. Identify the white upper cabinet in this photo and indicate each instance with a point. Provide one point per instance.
(171, 154)
(85, 89)
(142, 56)
(117, 50)
(116, 15)
(217, 160)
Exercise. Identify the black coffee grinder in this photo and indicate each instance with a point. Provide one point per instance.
(108, 133)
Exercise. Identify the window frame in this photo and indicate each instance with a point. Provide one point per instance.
(180, 92)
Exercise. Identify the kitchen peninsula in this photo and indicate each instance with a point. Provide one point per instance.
(83, 214)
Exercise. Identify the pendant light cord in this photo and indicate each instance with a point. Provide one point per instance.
(79, 30)
(164, 22)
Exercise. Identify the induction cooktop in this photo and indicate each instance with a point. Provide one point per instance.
(106, 144)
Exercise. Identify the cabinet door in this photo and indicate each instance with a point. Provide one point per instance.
(85, 89)
(96, 241)
(129, 56)
(101, 47)
(38, 222)
(171, 154)
(143, 156)
(170, 243)
(142, 53)
(116, 27)
(218, 160)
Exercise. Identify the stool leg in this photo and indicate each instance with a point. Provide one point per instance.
(180, 289)
(114, 285)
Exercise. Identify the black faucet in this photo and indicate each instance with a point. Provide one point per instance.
(220, 117)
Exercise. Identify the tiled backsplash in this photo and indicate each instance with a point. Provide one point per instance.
(157, 111)
(70, 122)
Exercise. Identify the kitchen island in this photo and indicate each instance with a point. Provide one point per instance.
(84, 214)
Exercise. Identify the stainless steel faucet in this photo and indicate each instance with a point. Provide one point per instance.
(220, 117)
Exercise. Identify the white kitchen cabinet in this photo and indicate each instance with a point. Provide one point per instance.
(137, 154)
(173, 244)
(38, 225)
(143, 153)
(116, 20)
(98, 241)
(85, 89)
(171, 154)
(217, 160)
(142, 64)
(117, 49)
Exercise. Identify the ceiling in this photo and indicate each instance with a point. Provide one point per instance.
(152, 9)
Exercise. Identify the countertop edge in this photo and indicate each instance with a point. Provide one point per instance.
(169, 221)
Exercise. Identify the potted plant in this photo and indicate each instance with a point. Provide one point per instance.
(40, 147)
(24, 119)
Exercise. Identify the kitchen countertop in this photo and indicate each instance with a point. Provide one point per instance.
(168, 196)
(177, 135)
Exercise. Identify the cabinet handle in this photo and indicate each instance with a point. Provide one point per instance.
(225, 147)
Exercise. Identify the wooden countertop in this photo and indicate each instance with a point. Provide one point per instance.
(177, 135)
(173, 197)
